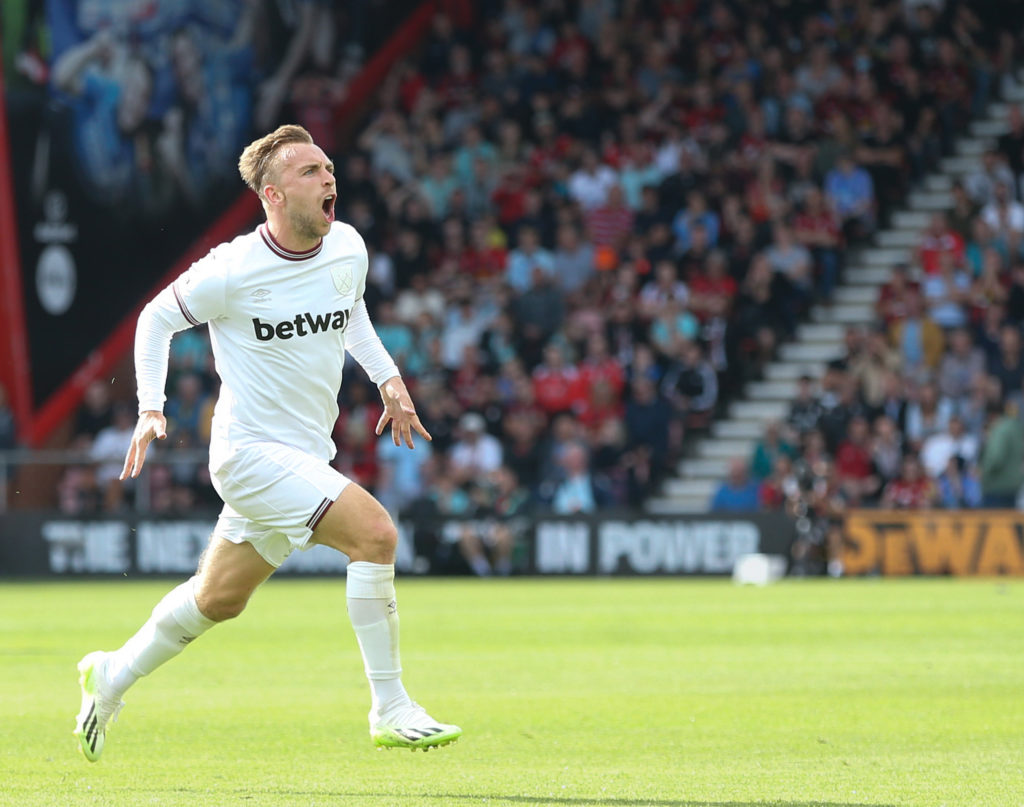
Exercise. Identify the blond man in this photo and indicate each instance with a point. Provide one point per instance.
(284, 303)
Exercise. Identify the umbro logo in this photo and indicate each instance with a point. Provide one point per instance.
(392, 607)
(260, 294)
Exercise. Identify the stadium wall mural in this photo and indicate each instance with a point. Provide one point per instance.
(122, 124)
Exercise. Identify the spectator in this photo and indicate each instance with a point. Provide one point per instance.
(1002, 458)
(610, 224)
(475, 453)
(927, 414)
(539, 312)
(912, 490)
(526, 258)
(819, 511)
(409, 260)
(982, 243)
(108, 452)
(854, 463)
(555, 382)
(396, 336)
(918, 341)
(835, 420)
(893, 296)
(963, 216)
(1008, 367)
(664, 293)
(871, 366)
(576, 492)
(817, 229)
(939, 447)
(573, 260)
(851, 194)
(1005, 217)
(768, 450)
(418, 300)
(464, 324)
(599, 365)
(95, 414)
(672, 328)
(805, 411)
(691, 384)
(791, 261)
(640, 177)
(781, 488)
(960, 365)
(737, 493)
(713, 290)
(990, 286)
(488, 541)
(647, 420)
(820, 75)
(695, 214)
(883, 153)
(400, 479)
(764, 194)
(946, 293)
(186, 409)
(590, 183)
(937, 241)
(994, 170)
(958, 485)
(886, 449)
(476, 157)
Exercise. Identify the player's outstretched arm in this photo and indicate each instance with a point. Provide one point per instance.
(398, 409)
(152, 425)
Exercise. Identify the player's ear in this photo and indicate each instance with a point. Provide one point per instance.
(273, 194)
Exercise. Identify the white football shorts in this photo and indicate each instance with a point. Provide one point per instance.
(274, 497)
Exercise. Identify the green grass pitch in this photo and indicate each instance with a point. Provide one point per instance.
(673, 693)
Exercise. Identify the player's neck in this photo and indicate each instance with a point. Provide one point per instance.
(286, 237)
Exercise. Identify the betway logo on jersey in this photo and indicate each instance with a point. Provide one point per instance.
(301, 325)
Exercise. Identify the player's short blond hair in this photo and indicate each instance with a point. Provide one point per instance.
(258, 158)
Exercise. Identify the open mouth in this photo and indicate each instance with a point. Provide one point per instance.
(328, 207)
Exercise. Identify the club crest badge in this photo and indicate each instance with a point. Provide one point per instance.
(342, 276)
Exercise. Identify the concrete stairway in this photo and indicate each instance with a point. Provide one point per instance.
(821, 339)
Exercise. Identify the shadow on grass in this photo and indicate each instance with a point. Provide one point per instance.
(570, 801)
(585, 801)
(612, 801)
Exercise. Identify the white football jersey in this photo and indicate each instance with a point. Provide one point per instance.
(280, 323)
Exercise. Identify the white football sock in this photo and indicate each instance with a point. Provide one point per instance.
(373, 611)
(175, 622)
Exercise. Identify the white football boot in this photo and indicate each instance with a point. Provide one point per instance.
(406, 724)
(98, 709)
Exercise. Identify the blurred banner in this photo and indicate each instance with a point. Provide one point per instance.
(966, 542)
(42, 544)
(125, 124)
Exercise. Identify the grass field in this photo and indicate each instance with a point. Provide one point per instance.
(636, 692)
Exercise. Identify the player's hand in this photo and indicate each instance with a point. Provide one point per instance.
(399, 410)
(151, 425)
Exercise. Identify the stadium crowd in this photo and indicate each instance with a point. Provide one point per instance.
(924, 410)
(591, 222)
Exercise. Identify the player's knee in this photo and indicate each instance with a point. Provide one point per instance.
(222, 606)
(381, 538)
